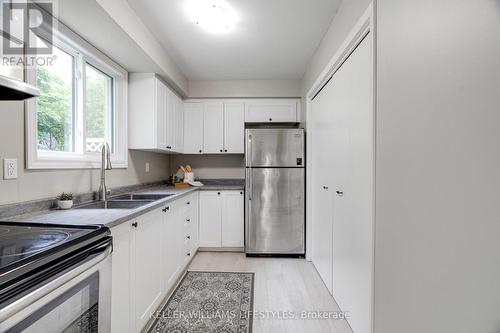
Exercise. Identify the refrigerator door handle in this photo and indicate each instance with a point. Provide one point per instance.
(248, 208)
(250, 166)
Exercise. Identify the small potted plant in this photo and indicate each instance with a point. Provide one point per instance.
(65, 200)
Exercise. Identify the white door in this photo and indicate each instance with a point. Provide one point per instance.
(171, 121)
(171, 246)
(210, 219)
(161, 114)
(193, 128)
(147, 268)
(232, 227)
(234, 127)
(194, 216)
(179, 126)
(322, 186)
(120, 286)
(272, 110)
(353, 210)
(345, 110)
(213, 128)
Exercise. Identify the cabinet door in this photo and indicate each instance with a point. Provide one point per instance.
(264, 111)
(232, 221)
(171, 246)
(234, 128)
(171, 121)
(210, 219)
(179, 128)
(147, 269)
(195, 222)
(193, 128)
(120, 285)
(213, 128)
(161, 114)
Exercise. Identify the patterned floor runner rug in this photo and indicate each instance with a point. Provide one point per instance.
(208, 302)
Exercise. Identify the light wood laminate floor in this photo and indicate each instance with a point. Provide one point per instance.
(281, 286)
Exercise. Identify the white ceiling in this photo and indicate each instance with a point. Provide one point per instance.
(274, 39)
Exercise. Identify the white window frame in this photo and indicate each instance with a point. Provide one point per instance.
(73, 44)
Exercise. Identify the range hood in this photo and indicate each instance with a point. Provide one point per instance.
(14, 90)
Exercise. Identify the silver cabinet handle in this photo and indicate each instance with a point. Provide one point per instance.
(340, 193)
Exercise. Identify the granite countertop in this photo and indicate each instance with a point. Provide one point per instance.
(114, 217)
(107, 217)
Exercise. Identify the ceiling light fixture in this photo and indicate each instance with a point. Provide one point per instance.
(215, 16)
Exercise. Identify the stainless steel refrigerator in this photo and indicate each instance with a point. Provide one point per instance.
(275, 191)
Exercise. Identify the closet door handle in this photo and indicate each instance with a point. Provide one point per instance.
(340, 193)
(325, 187)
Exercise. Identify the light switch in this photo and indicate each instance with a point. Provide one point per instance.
(147, 167)
(9, 168)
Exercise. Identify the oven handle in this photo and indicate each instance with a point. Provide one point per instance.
(98, 256)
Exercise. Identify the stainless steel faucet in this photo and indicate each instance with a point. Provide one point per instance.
(105, 165)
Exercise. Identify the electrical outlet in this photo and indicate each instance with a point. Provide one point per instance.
(147, 167)
(9, 168)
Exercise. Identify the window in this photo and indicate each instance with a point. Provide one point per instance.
(82, 105)
(98, 109)
(55, 107)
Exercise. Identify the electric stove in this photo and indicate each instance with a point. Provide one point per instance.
(32, 254)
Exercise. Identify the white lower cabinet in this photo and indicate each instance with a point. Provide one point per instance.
(221, 219)
(120, 281)
(210, 219)
(149, 254)
(146, 270)
(232, 219)
(171, 245)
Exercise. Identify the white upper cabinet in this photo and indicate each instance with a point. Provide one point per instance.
(213, 128)
(179, 128)
(193, 128)
(155, 115)
(272, 110)
(161, 114)
(175, 121)
(234, 127)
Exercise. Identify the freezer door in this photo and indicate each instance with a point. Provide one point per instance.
(275, 221)
(266, 147)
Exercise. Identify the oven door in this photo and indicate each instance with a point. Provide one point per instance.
(77, 301)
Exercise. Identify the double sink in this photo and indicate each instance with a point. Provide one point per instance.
(125, 201)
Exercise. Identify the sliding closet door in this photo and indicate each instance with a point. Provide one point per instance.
(353, 203)
(322, 212)
(343, 159)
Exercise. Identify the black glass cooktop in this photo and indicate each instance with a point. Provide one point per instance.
(24, 242)
(30, 252)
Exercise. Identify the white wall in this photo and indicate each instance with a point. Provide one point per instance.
(438, 167)
(39, 184)
(348, 14)
(212, 166)
(244, 88)
(128, 20)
